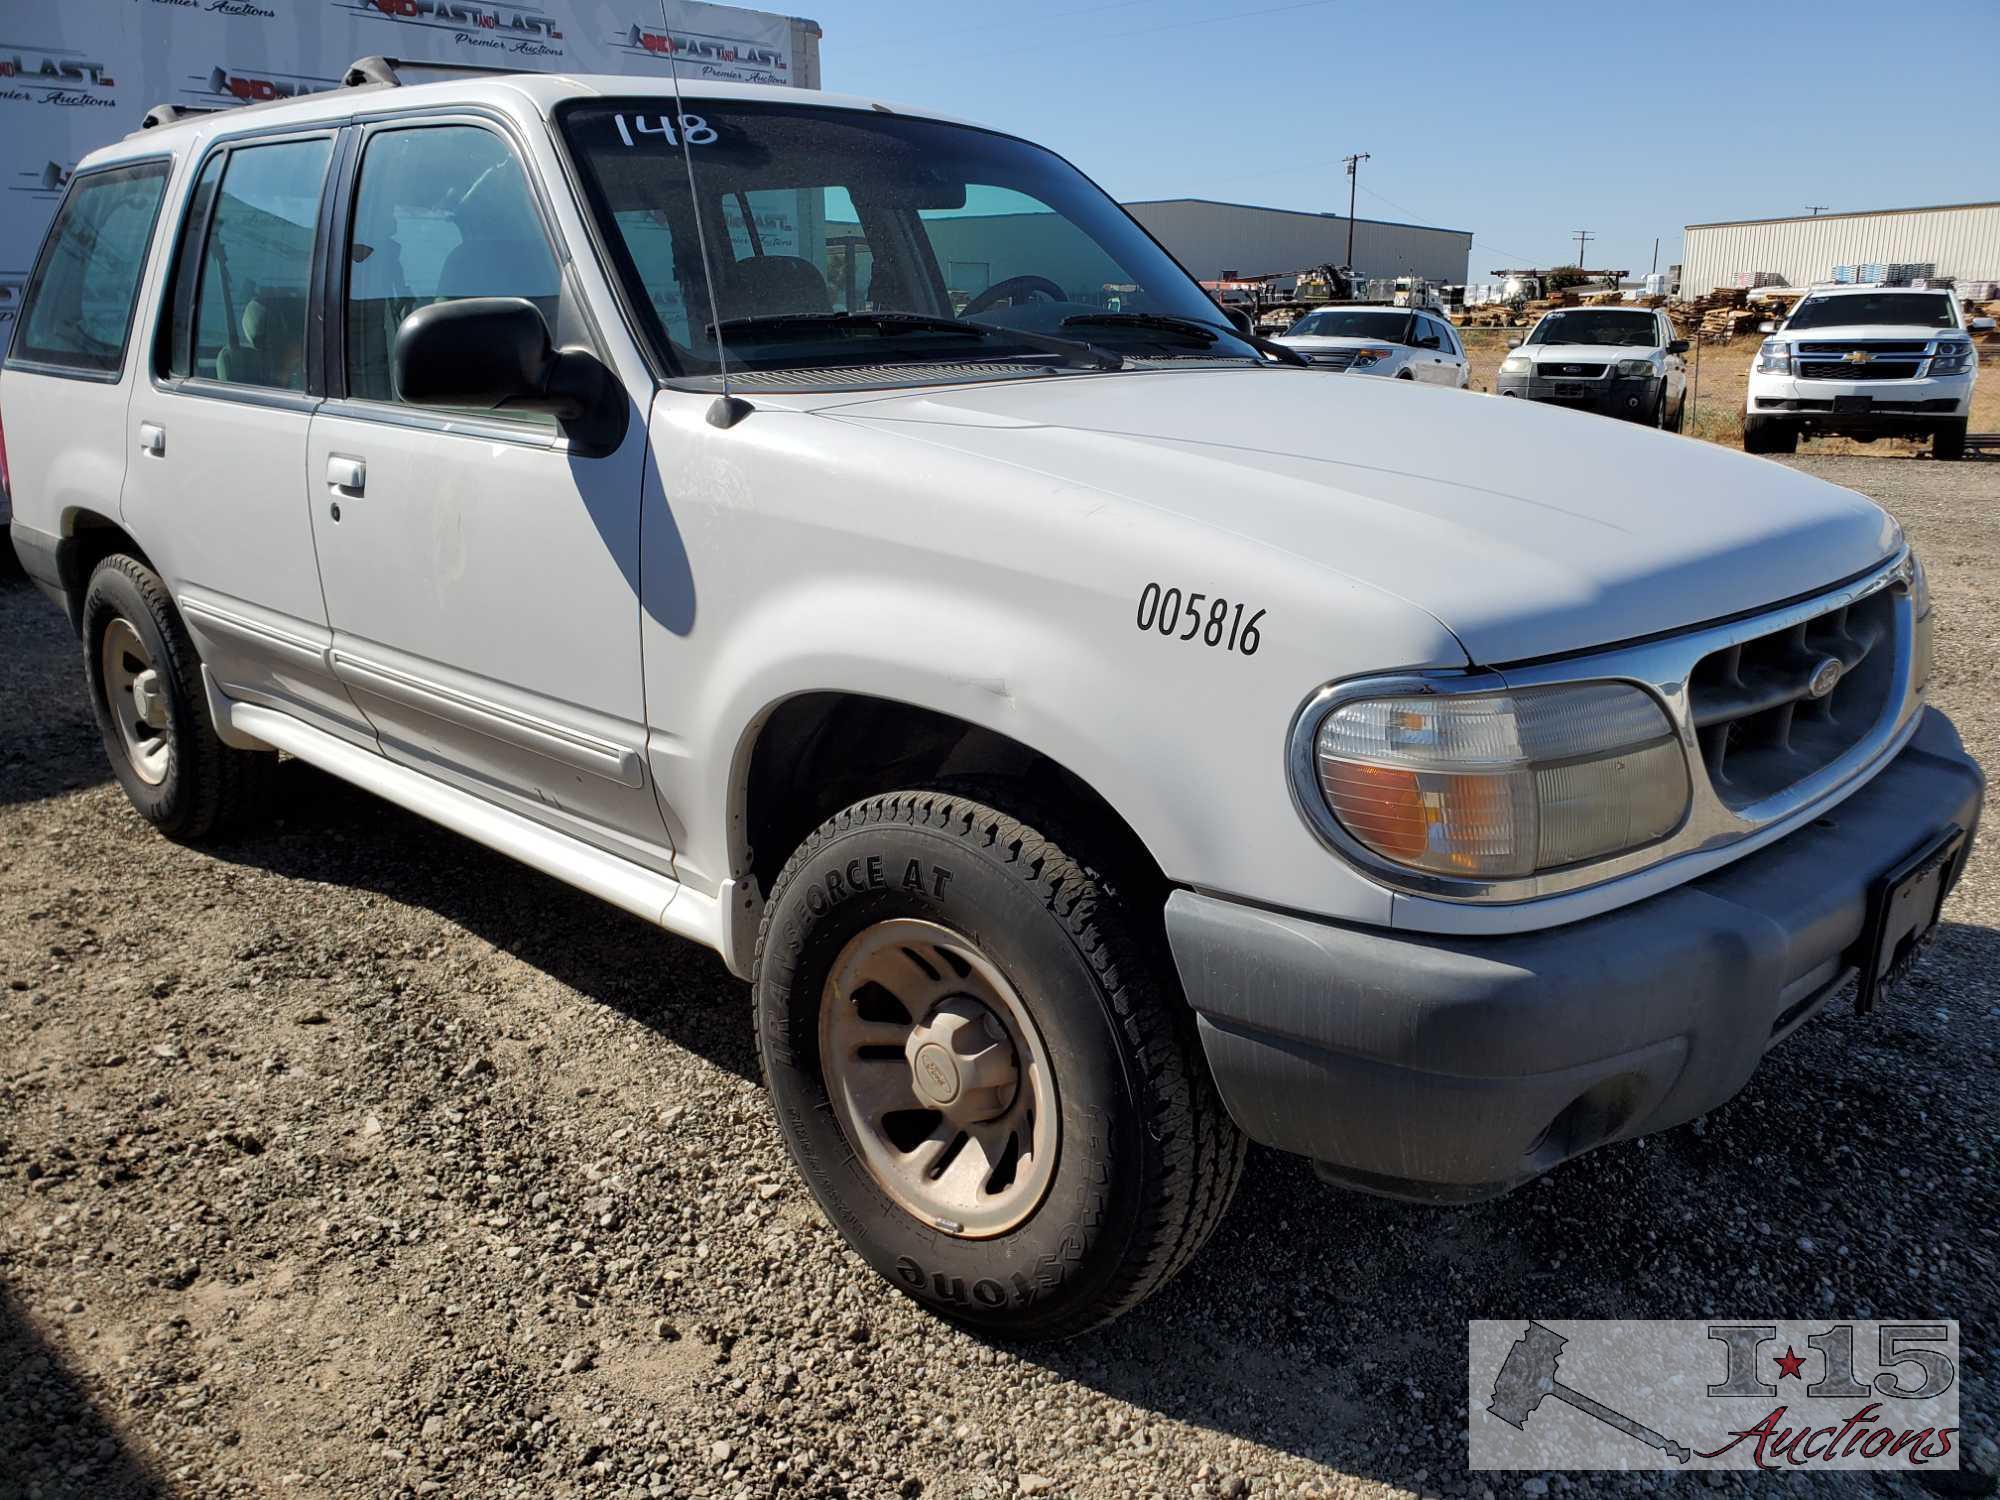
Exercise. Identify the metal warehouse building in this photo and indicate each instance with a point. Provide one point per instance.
(1961, 239)
(1212, 238)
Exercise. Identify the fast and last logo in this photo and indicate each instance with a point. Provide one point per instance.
(516, 29)
(59, 76)
(1773, 1396)
(707, 56)
(221, 87)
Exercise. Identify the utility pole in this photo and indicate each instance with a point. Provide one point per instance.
(1353, 181)
(1583, 238)
(1816, 209)
(1656, 256)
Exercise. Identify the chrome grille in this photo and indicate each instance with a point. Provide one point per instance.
(1761, 723)
(1876, 369)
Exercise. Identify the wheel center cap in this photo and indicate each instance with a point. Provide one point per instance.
(962, 1062)
(147, 700)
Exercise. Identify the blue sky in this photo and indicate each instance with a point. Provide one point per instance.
(1522, 123)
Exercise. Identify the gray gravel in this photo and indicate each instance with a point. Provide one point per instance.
(352, 1160)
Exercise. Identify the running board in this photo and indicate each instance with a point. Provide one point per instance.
(658, 898)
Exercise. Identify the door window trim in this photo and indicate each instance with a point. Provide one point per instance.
(332, 306)
(77, 178)
(162, 333)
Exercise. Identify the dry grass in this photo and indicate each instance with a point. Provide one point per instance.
(1715, 406)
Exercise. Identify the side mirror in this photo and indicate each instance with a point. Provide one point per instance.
(1241, 319)
(1981, 325)
(1678, 346)
(1767, 326)
(494, 354)
(1513, 343)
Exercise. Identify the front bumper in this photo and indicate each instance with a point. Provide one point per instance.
(1452, 1069)
(1871, 406)
(1608, 395)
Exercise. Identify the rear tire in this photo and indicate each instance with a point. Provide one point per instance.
(1020, 945)
(1948, 442)
(146, 690)
(1763, 435)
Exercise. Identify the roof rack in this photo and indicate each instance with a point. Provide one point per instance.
(173, 114)
(389, 71)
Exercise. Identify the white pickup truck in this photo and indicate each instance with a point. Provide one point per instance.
(1865, 362)
(1096, 738)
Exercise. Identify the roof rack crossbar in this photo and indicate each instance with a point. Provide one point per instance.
(387, 71)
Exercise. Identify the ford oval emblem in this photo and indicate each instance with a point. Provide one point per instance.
(1825, 677)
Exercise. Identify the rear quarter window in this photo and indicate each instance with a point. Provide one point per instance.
(77, 312)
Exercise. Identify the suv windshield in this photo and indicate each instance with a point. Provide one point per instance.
(1390, 327)
(819, 220)
(1919, 309)
(1625, 330)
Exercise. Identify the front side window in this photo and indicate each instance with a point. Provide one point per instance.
(1904, 309)
(442, 212)
(256, 268)
(1609, 329)
(77, 311)
(848, 237)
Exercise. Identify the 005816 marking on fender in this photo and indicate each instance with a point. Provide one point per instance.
(1221, 623)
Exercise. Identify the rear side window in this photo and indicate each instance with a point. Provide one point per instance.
(256, 269)
(77, 313)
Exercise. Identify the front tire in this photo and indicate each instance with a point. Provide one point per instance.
(984, 1069)
(1762, 435)
(1948, 442)
(146, 690)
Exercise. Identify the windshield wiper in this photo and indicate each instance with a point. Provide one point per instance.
(1205, 333)
(1073, 352)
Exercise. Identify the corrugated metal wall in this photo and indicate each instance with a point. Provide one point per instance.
(1964, 242)
(1210, 238)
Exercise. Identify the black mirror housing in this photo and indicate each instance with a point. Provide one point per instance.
(495, 354)
(1678, 346)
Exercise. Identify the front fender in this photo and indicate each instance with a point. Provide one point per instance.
(795, 554)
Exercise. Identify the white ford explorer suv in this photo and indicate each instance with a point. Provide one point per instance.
(1399, 342)
(1096, 740)
(1865, 362)
(1615, 361)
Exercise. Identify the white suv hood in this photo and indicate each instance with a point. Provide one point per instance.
(1579, 354)
(1528, 531)
(1841, 333)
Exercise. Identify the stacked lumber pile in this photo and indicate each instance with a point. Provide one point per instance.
(1721, 315)
(1489, 315)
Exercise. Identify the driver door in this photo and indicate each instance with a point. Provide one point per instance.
(481, 574)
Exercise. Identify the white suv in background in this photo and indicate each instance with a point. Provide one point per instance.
(1865, 362)
(1615, 361)
(1399, 342)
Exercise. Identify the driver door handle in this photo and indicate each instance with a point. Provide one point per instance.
(348, 474)
(153, 438)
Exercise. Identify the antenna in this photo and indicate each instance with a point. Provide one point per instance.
(727, 410)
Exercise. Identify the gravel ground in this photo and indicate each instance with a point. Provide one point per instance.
(353, 1160)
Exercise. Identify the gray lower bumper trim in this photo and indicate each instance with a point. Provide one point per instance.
(1456, 1067)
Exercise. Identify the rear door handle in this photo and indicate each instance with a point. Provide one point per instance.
(153, 438)
(349, 474)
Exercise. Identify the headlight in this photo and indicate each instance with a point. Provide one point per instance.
(1366, 357)
(1953, 359)
(1499, 785)
(1516, 364)
(1774, 358)
(1634, 369)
